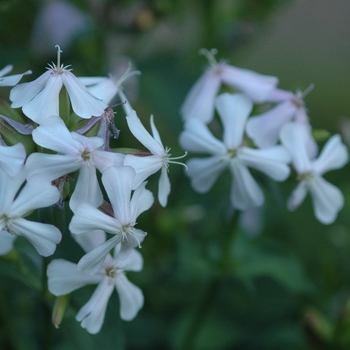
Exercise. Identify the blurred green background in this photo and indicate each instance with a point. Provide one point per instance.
(290, 277)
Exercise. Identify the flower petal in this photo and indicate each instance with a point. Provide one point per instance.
(92, 314)
(298, 195)
(163, 187)
(234, 110)
(64, 277)
(12, 158)
(131, 297)
(199, 102)
(6, 242)
(204, 172)
(142, 199)
(245, 192)
(43, 237)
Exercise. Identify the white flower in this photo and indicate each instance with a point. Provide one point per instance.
(40, 98)
(199, 102)
(231, 153)
(10, 80)
(327, 199)
(76, 152)
(264, 128)
(36, 193)
(64, 277)
(148, 165)
(118, 184)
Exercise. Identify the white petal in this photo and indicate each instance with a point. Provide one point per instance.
(118, 183)
(12, 158)
(103, 160)
(90, 240)
(204, 172)
(102, 88)
(298, 195)
(37, 193)
(23, 93)
(6, 242)
(143, 166)
(87, 218)
(197, 138)
(264, 129)
(91, 262)
(271, 161)
(245, 192)
(155, 132)
(141, 201)
(295, 138)
(139, 131)
(92, 314)
(5, 70)
(9, 187)
(134, 261)
(53, 134)
(83, 103)
(131, 297)
(52, 165)
(45, 103)
(12, 80)
(199, 102)
(326, 199)
(234, 110)
(257, 86)
(44, 237)
(87, 188)
(163, 187)
(334, 155)
(64, 277)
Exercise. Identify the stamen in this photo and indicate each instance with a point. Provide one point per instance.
(128, 73)
(172, 160)
(58, 56)
(210, 56)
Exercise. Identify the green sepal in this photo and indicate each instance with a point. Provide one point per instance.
(5, 109)
(64, 106)
(59, 309)
(321, 135)
(132, 151)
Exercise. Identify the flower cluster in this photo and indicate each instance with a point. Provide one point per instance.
(268, 142)
(61, 166)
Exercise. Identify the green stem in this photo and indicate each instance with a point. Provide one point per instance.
(212, 288)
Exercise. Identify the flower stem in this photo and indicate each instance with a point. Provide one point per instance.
(202, 311)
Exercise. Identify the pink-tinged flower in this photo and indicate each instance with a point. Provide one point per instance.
(40, 98)
(10, 80)
(264, 129)
(231, 153)
(75, 152)
(14, 205)
(326, 198)
(199, 102)
(64, 277)
(118, 183)
(159, 159)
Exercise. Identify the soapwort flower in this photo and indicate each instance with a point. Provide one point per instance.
(326, 198)
(14, 205)
(199, 102)
(118, 183)
(231, 153)
(64, 277)
(40, 98)
(159, 159)
(75, 152)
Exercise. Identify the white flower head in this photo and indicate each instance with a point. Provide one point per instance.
(200, 100)
(40, 98)
(231, 153)
(264, 129)
(75, 152)
(118, 183)
(36, 193)
(160, 158)
(10, 80)
(64, 277)
(326, 198)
